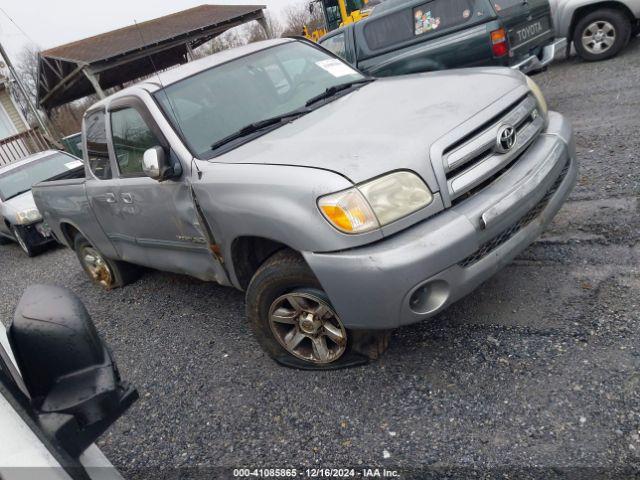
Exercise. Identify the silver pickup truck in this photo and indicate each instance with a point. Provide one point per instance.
(344, 206)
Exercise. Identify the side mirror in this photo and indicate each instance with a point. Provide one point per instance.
(74, 384)
(156, 165)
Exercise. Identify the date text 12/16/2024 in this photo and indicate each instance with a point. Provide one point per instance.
(315, 473)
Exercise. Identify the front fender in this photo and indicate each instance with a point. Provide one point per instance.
(562, 17)
(276, 202)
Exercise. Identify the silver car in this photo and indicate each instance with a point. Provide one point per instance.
(20, 220)
(343, 205)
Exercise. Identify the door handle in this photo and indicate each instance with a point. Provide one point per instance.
(126, 197)
(110, 198)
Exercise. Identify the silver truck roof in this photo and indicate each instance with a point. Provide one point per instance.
(168, 77)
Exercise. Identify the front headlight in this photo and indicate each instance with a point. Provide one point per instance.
(535, 89)
(28, 216)
(376, 203)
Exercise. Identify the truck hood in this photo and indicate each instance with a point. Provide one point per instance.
(386, 125)
(13, 206)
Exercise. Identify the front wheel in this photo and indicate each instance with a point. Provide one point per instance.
(107, 273)
(26, 246)
(601, 34)
(294, 322)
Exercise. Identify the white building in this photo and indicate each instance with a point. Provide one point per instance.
(17, 139)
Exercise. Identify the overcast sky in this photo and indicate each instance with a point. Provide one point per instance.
(50, 23)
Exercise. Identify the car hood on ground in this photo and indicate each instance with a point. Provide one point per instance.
(23, 202)
(387, 125)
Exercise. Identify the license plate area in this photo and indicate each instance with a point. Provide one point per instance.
(526, 32)
(43, 229)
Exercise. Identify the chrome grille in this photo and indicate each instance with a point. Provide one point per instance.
(475, 159)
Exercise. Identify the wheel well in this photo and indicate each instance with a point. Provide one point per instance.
(248, 253)
(587, 9)
(69, 232)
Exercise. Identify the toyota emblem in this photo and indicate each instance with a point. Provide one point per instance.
(507, 139)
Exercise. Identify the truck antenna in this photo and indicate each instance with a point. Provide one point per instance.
(169, 101)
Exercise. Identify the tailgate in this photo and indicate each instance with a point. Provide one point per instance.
(528, 24)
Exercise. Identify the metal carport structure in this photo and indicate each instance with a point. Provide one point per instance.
(92, 65)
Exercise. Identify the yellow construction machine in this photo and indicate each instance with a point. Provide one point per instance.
(336, 13)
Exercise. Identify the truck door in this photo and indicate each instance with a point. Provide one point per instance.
(157, 223)
(101, 186)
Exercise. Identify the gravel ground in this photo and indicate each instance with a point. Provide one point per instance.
(539, 367)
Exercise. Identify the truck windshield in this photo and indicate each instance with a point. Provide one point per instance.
(20, 179)
(216, 103)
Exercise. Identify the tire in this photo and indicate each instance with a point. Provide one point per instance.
(599, 26)
(27, 248)
(107, 273)
(285, 278)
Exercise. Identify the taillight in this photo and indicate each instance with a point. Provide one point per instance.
(499, 43)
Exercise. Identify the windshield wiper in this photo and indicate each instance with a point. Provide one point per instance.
(332, 91)
(18, 193)
(260, 125)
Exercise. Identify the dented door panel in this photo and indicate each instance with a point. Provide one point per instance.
(163, 230)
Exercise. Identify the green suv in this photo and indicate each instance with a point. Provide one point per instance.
(402, 37)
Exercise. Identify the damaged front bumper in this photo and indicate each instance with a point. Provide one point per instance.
(36, 234)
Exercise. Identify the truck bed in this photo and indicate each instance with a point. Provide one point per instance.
(63, 199)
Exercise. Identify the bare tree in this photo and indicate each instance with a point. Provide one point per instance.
(67, 118)
(297, 16)
(229, 39)
(27, 68)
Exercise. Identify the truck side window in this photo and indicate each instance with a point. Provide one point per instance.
(97, 152)
(336, 45)
(502, 5)
(332, 14)
(131, 138)
(427, 19)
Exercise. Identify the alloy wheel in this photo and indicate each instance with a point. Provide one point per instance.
(598, 37)
(97, 267)
(308, 328)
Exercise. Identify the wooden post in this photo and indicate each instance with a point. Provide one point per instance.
(265, 26)
(95, 82)
(190, 56)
